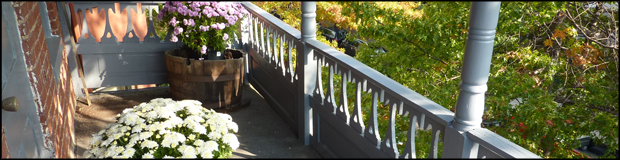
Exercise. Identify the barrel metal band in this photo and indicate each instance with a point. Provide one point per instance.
(205, 78)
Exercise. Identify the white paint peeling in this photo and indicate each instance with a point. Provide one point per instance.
(46, 135)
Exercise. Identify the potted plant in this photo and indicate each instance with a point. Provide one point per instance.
(203, 68)
(164, 128)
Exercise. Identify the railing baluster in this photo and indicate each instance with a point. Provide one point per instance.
(409, 151)
(261, 43)
(357, 122)
(319, 93)
(268, 45)
(281, 64)
(255, 34)
(434, 142)
(331, 100)
(372, 132)
(275, 53)
(342, 110)
(388, 145)
(290, 60)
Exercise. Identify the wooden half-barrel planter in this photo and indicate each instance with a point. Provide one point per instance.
(218, 84)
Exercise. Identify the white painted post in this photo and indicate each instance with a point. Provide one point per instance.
(476, 64)
(308, 71)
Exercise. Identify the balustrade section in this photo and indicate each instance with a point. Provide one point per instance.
(422, 113)
(117, 42)
(273, 47)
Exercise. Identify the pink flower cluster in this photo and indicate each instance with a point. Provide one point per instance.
(200, 17)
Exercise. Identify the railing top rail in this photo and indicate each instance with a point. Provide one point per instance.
(434, 110)
(279, 24)
(498, 144)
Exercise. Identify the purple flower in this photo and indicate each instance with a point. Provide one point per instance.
(204, 28)
(222, 12)
(174, 39)
(205, 11)
(203, 50)
(177, 3)
(191, 22)
(185, 22)
(222, 26)
(178, 30)
(225, 37)
(160, 16)
(173, 21)
(215, 26)
(201, 59)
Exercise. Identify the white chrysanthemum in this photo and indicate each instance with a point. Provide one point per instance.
(149, 144)
(168, 157)
(131, 119)
(165, 113)
(130, 144)
(214, 135)
(151, 127)
(107, 141)
(172, 139)
(231, 140)
(127, 110)
(192, 106)
(199, 143)
(193, 118)
(151, 115)
(211, 146)
(197, 128)
(114, 128)
(101, 132)
(187, 151)
(206, 154)
(223, 129)
(148, 155)
(129, 152)
(170, 123)
(113, 151)
(226, 116)
(232, 126)
(96, 140)
(173, 107)
(138, 128)
(117, 135)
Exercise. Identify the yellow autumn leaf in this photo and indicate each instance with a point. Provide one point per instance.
(548, 42)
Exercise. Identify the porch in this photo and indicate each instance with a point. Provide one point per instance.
(261, 131)
(285, 66)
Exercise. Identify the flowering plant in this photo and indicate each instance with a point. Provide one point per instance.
(203, 25)
(164, 128)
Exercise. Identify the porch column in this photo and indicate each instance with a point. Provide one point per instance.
(474, 76)
(308, 71)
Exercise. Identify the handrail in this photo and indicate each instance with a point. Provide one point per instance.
(498, 145)
(360, 70)
(264, 16)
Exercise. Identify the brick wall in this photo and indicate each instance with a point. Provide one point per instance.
(56, 100)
